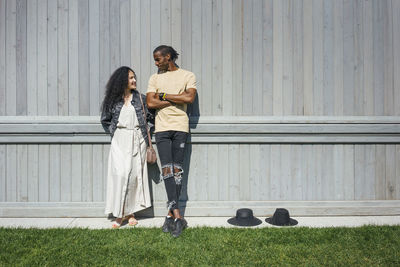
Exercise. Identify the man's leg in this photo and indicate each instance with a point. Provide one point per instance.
(178, 149)
(164, 142)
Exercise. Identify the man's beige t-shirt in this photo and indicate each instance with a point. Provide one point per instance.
(172, 118)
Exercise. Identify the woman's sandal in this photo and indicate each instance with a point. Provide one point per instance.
(115, 225)
(132, 221)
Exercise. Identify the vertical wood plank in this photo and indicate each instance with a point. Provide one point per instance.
(176, 27)
(254, 174)
(396, 55)
(318, 56)
(186, 31)
(66, 173)
(197, 57)
(32, 59)
(388, 58)
(244, 171)
(145, 22)
(397, 166)
(327, 182)
(275, 172)
(87, 173)
(296, 166)
(232, 168)
(298, 71)
(380, 172)
(338, 172)
(370, 170)
(106, 151)
(76, 172)
(349, 171)
(104, 45)
(73, 58)
(257, 63)
(368, 59)
(165, 27)
(21, 46)
(338, 56)
(227, 57)
(285, 178)
(3, 170)
(125, 31)
(62, 57)
(206, 51)
(33, 173)
(307, 172)
(212, 172)
(52, 56)
(94, 51)
(83, 56)
(328, 58)
(277, 58)
(390, 171)
(11, 67)
(287, 83)
(97, 173)
(22, 173)
(11, 173)
(54, 173)
(155, 36)
(267, 55)
(265, 172)
(378, 28)
(308, 57)
(42, 58)
(348, 58)
(216, 96)
(318, 169)
(358, 58)
(3, 57)
(141, 83)
(44, 175)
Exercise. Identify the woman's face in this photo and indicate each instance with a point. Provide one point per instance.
(131, 80)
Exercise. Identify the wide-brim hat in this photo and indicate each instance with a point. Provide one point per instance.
(281, 218)
(244, 217)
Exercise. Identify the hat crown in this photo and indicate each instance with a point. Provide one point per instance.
(281, 217)
(244, 214)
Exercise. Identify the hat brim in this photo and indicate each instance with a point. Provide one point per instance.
(251, 222)
(292, 222)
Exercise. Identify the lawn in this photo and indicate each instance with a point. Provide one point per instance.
(362, 246)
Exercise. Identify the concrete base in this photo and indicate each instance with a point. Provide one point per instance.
(104, 223)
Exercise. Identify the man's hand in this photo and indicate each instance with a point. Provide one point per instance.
(153, 101)
(187, 97)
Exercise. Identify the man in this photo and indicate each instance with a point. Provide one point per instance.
(169, 91)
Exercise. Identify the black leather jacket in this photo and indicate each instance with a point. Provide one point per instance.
(109, 118)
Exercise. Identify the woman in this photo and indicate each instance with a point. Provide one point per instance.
(123, 118)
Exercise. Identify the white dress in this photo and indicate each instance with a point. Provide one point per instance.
(127, 179)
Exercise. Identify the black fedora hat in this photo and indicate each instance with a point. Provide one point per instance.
(281, 218)
(244, 217)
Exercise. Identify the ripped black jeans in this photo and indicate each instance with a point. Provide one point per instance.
(171, 148)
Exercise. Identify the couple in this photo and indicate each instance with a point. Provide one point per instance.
(124, 116)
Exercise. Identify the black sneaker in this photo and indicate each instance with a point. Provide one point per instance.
(168, 225)
(179, 225)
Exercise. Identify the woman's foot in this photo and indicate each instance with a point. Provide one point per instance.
(132, 221)
(117, 223)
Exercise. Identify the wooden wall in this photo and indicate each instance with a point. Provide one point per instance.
(321, 57)
(298, 102)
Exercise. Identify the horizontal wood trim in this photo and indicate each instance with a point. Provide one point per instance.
(87, 129)
(209, 208)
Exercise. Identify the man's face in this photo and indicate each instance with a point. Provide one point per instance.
(162, 62)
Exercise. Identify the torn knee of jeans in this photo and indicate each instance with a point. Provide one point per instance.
(171, 205)
(178, 171)
(166, 171)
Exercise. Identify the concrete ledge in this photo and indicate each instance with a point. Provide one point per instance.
(210, 129)
(208, 208)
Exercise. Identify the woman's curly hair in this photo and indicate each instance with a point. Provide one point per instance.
(115, 88)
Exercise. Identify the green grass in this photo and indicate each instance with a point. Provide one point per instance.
(363, 246)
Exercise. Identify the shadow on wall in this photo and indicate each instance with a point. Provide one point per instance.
(193, 112)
